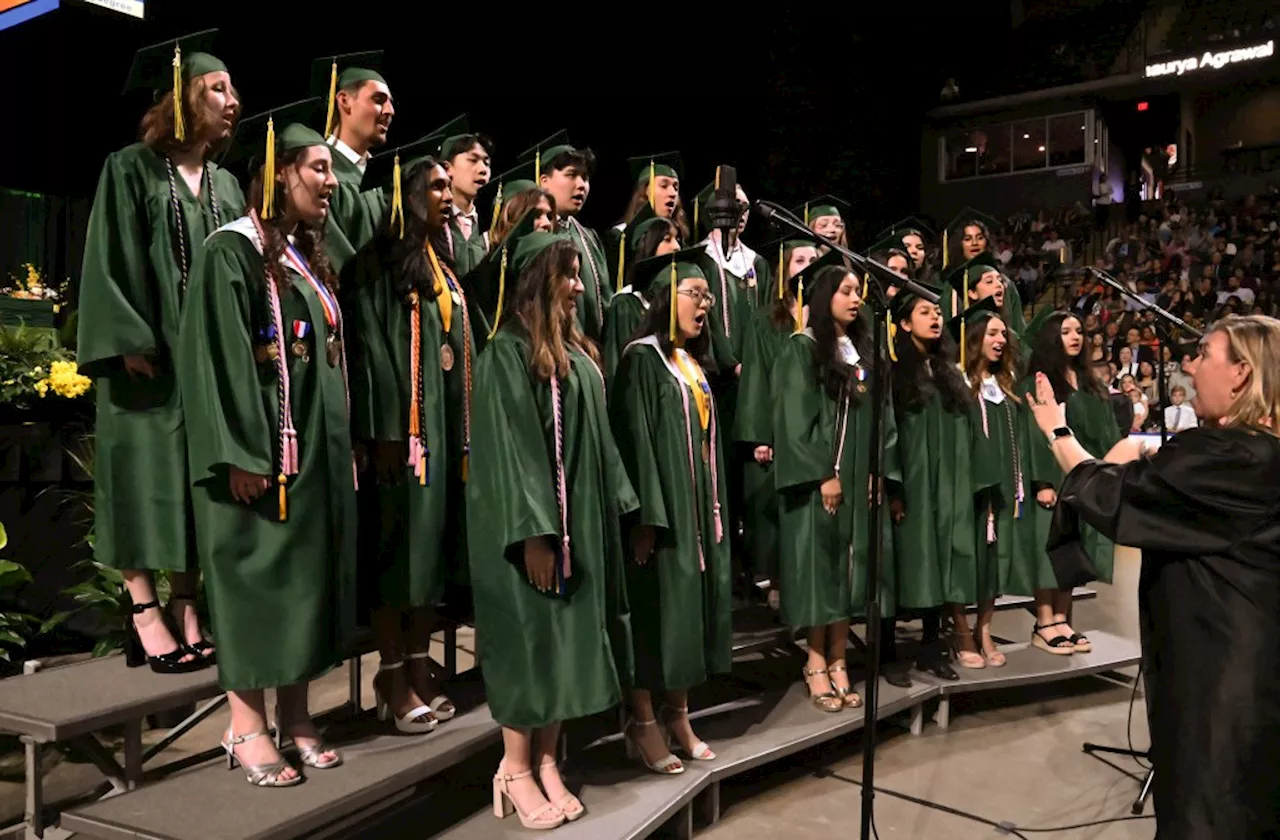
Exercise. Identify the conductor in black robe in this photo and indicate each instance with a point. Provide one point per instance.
(1205, 511)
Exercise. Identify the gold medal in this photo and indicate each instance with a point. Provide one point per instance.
(300, 350)
(446, 358)
(862, 389)
(333, 349)
(266, 352)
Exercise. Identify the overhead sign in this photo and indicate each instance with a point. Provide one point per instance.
(133, 8)
(14, 12)
(1211, 60)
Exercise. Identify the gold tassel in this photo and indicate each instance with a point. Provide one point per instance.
(397, 197)
(497, 208)
(179, 122)
(806, 214)
(333, 101)
(945, 255)
(652, 199)
(269, 173)
(800, 305)
(891, 329)
(283, 480)
(537, 166)
(964, 302)
(466, 459)
(622, 258)
(695, 216)
(674, 283)
(717, 187)
(782, 271)
(502, 292)
(422, 472)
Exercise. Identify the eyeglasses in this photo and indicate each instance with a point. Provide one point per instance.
(699, 297)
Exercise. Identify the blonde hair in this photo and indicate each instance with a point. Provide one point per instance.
(1255, 341)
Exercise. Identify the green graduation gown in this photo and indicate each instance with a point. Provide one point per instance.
(281, 594)
(420, 544)
(468, 251)
(936, 543)
(1017, 456)
(131, 301)
(546, 657)
(354, 215)
(753, 426)
(681, 619)
(823, 557)
(621, 320)
(595, 277)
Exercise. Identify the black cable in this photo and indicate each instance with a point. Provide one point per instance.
(1005, 827)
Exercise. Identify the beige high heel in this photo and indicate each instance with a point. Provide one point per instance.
(311, 756)
(828, 701)
(967, 658)
(543, 818)
(570, 805)
(258, 775)
(701, 751)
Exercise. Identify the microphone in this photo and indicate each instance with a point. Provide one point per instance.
(723, 210)
(782, 218)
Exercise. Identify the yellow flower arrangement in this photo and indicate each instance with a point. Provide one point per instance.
(31, 284)
(64, 379)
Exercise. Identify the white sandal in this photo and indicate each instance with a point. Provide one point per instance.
(441, 706)
(258, 775)
(417, 721)
(700, 751)
(668, 765)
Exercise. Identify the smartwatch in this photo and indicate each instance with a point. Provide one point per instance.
(1060, 432)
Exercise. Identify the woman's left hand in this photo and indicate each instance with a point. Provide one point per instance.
(1044, 406)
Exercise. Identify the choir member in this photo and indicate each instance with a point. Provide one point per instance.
(157, 201)
(647, 235)
(467, 157)
(265, 394)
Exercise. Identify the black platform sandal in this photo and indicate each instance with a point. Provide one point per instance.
(1058, 645)
(135, 655)
(203, 647)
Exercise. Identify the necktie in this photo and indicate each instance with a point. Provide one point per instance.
(464, 225)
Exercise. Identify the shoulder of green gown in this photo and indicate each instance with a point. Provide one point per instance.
(344, 170)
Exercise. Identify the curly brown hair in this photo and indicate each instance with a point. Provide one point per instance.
(309, 240)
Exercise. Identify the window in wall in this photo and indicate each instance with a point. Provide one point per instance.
(994, 149)
(1029, 145)
(962, 154)
(1067, 139)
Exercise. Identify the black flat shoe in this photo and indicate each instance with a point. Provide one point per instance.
(135, 656)
(939, 668)
(897, 677)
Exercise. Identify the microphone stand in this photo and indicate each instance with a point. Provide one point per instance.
(875, 294)
(1166, 323)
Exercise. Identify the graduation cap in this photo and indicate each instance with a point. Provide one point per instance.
(388, 171)
(664, 273)
(1037, 321)
(491, 271)
(629, 236)
(905, 227)
(784, 247)
(269, 135)
(955, 228)
(332, 73)
(891, 244)
(515, 180)
(974, 315)
(528, 247)
(167, 65)
(644, 168)
(451, 132)
(823, 205)
(966, 275)
(547, 150)
(902, 303)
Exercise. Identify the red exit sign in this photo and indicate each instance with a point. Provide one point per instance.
(1144, 106)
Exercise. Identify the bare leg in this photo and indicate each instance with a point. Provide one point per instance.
(184, 609)
(517, 746)
(422, 623)
(294, 718)
(1062, 609)
(393, 684)
(545, 742)
(818, 681)
(155, 636)
(248, 715)
(647, 736)
(1047, 614)
(992, 654)
(679, 724)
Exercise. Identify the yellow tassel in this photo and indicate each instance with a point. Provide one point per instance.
(800, 305)
(782, 272)
(283, 480)
(695, 216)
(622, 258)
(497, 208)
(397, 197)
(537, 166)
(674, 283)
(806, 214)
(892, 330)
(502, 292)
(466, 469)
(422, 472)
(329, 118)
(945, 255)
(179, 123)
(652, 200)
(964, 304)
(717, 187)
(269, 172)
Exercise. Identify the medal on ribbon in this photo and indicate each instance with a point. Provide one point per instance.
(301, 329)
